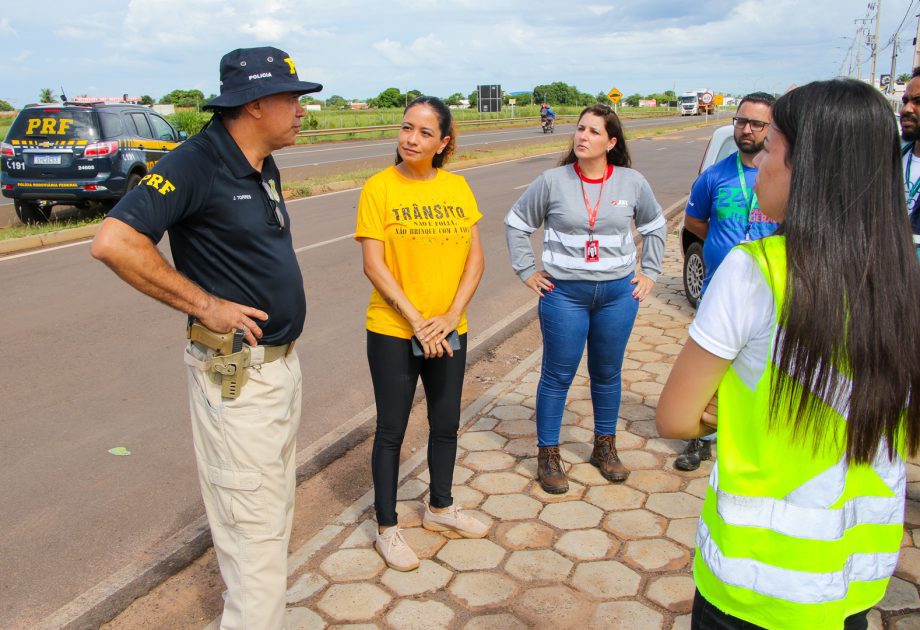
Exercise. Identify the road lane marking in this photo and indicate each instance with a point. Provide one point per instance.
(521, 186)
(43, 250)
(321, 243)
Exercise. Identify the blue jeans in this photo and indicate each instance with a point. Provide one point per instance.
(574, 312)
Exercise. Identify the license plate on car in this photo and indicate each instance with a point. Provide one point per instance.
(46, 159)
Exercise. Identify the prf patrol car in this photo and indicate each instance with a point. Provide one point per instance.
(79, 153)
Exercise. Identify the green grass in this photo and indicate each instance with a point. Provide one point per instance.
(5, 123)
(56, 225)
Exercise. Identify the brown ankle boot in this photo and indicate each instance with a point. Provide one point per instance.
(606, 459)
(550, 472)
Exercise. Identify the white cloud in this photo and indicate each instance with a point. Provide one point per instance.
(427, 45)
(599, 9)
(392, 51)
(5, 27)
(267, 29)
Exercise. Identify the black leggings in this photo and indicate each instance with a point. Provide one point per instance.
(395, 372)
(706, 616)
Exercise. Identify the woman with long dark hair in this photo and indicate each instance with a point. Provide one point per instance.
(420, 242)
(811, 339)
(588, 290)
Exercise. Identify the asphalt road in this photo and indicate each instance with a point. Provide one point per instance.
(91, 364)
(321, 159)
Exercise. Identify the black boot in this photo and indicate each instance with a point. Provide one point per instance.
(696, 451)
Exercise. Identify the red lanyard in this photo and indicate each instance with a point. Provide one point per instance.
(592, 212)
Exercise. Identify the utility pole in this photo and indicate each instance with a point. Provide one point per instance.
(878, 13)
(894, 62)
(859, 45)
(917, 46)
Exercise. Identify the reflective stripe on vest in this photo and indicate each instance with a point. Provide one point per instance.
(801, 587)
(792, 538)
(804, 512)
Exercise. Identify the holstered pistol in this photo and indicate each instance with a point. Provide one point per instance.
(231, 356)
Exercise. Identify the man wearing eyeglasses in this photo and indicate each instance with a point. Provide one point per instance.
(723, 212)
(237, 278)
(910, 133)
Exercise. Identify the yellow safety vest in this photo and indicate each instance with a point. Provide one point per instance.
(789, 538)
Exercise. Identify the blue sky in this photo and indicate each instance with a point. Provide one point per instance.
(357, 48)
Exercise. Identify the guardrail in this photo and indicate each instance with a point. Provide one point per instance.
(309, 133)
(312, 133)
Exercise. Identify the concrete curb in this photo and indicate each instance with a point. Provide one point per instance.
(107, 599)
(13, 245)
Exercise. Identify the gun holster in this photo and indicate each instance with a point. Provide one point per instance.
(231, 357)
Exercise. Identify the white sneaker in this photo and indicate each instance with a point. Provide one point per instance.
(453, 519)
(394, 550)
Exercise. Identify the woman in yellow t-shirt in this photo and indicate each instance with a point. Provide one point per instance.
(418, 234)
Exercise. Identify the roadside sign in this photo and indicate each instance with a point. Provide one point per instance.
(512, 101)
(884, 80)
(614, 95)
(719, 100)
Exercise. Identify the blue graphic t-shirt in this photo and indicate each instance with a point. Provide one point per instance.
(717, 197)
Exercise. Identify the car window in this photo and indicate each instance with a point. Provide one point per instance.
(161, 129)
(54, 123)
(728, 147)
(111, 124)
(143, 127)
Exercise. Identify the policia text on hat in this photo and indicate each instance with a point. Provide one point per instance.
(237, 278)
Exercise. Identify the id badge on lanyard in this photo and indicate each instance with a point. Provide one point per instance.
(750, 201)
(592, 245)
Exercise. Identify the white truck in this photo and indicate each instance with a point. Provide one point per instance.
(697, 102)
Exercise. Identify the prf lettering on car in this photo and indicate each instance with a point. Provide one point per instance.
(48, 126)
(163, 186)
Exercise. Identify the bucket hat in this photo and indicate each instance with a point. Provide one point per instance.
(250, 73)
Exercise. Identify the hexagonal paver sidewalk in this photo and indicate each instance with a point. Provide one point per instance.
(600, 556)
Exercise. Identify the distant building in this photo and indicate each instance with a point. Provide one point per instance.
(313, 107)
(648, 102)
(124, 98)
(358, 105)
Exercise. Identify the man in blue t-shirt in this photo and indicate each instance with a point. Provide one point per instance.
(723, 211)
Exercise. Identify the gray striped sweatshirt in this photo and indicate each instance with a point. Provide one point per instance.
(555, 201)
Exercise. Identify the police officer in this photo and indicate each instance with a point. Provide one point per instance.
(219, 197)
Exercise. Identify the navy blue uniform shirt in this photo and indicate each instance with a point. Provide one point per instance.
(224, 232)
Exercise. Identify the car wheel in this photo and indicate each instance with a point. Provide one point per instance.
(694, 272)
(133, 180)
(30, 212)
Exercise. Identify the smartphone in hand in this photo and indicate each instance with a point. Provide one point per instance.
(453, 340)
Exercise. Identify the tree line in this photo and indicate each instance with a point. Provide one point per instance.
(556, 93)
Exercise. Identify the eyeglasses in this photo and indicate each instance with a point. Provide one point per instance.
(273, 200)
(756, 125)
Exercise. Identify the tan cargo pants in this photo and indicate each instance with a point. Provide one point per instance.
(246, 451)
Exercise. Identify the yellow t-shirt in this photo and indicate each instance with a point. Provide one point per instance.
(425, 229)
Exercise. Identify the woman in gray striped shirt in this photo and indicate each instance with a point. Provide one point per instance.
(589, 289)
